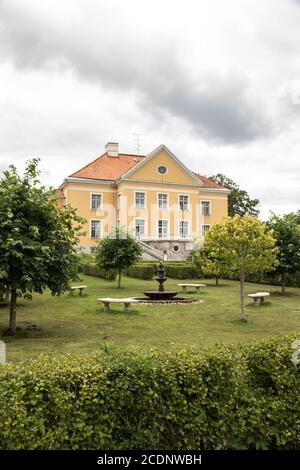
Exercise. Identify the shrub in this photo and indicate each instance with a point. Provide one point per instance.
(223, 398)
(92, 270)
(141, 271)
(182, 271)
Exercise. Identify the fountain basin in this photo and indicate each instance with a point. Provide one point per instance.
(160, 295)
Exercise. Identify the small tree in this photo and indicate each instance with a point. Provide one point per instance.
(287, 233)
(210, 266)
(243, 244)
(118, 251)
(239, 201)
(37, 240)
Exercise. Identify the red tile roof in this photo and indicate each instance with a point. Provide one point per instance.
(112, 168)
(207, 183)
(108, 168)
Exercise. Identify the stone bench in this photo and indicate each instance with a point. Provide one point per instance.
(127, 302)
(259, 297)
(80, 288)
(185, 286)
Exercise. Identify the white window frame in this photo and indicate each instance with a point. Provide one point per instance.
(143, 192)
(188, 229)
(145, 227)
(188, 203)
(163, 208)
(95, 220)
(168, 229)
(100, 208)
(209, 202)
(202, 229)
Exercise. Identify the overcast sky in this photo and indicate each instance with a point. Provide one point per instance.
(216, 81)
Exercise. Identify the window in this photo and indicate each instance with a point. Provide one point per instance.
(140, 227)
(183, 228)
(205, 229)
(140, 199)
(205, 207)
(163, 201)
(119, 201)
(93, 249)
(162, 170)
(163, 228)
(95, 228)
(183, 202)
(96, 201)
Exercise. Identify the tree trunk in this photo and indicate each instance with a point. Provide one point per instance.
(282, 284)
(119, 278)
(12, 329)
(217, 280)
(242, 292)
(6, 298)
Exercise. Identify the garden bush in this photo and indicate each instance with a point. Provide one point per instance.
(141, 271)
(92, 270)
(221, 398)
(182, 271)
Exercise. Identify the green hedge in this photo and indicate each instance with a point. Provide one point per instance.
(182, 271)
(271, 279)
(176, 270)
(92, 270)
(141, 271)
(223, 398)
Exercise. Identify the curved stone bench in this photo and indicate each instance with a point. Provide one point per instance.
(185, 285)
(259, 297)
(107, 301)
(80, 288)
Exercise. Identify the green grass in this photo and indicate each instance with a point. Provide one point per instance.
(73, 324)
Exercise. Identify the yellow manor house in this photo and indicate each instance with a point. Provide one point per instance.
(156, 197)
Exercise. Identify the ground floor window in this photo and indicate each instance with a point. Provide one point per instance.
(204, 229)
(163, 228)
(140, 227)
(95, 228)
(183, 228)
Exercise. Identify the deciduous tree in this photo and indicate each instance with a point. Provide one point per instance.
(244, 245)
(37, 240)
(118, 251)
(239, 201)
(287, 233)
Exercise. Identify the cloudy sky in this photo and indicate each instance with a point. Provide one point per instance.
(217, 81)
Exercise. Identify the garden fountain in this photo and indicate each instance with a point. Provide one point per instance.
(161, 293)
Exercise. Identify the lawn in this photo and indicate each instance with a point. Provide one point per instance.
(73, 324)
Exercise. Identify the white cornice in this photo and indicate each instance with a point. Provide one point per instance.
(163, 183)
(72, 179)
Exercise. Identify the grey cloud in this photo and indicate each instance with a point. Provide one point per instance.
(216, 107)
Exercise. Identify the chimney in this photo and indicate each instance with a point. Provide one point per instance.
(112, 149)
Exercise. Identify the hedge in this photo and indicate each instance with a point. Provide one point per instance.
(91, 269)
(222, 398)
(141, 271)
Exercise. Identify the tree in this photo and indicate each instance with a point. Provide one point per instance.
(239, 202)
(209, 265)
(245, 245)
(118, 251)
(37, 240)
(287, 233)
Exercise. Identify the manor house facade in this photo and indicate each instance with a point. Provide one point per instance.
(156, 197)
